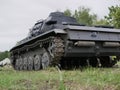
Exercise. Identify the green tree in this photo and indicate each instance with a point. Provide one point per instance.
(68, 12)
(113, 17)
(4, 55)
(82, 15)
(101, 22)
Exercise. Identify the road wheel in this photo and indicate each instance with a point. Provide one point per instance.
(37, 62)
(17, 64)
(30, 63)
(21, 63)
(25, 63)
(45, 60)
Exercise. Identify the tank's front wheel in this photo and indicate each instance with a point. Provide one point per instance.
(45, 60)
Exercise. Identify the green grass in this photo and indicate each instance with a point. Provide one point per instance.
(53, 79)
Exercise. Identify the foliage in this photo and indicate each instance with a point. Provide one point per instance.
(4, 55)
(68, 12)
(82, 15)
(101, 22)
(87, 79)
(113, 17)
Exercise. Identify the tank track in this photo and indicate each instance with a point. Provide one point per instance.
(53, 46)
(56, 50)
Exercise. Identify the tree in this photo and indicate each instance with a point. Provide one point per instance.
(67, 12)
(82, 15)
(101, 22)
(4, 55)
(113, 17)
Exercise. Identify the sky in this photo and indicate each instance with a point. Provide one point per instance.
(18, 16)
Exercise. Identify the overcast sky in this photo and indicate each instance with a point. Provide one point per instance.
(17, 16)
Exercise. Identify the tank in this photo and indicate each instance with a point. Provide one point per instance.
(60, 40)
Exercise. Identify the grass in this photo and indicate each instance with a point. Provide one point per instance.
(54, 79)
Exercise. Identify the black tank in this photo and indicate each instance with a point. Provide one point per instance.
(61, 40)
